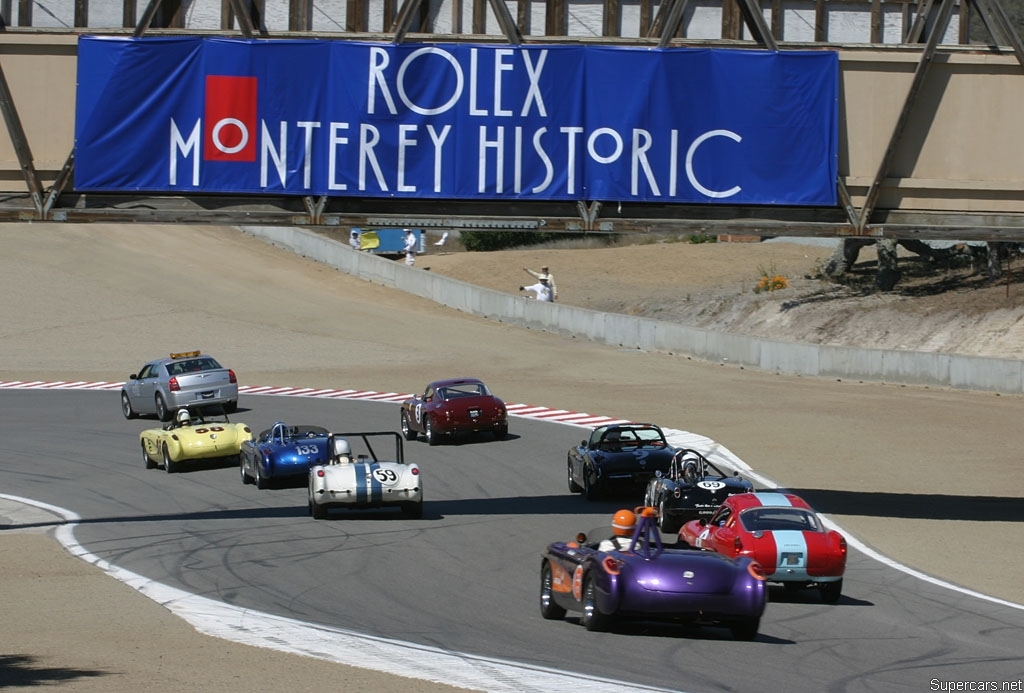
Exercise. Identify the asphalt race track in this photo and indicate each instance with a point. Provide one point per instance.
(464, 579)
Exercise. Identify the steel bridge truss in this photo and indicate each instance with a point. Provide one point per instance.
(61, 203)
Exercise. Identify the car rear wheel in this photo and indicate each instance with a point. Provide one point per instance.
(666, 524)
(591, 491)
(126, 406)
(830, 591)
(573, 486)
(246, 479)
(428, 432)
(745, 630)
(317, 511)
(261, 481)
(169, 465)
(593, 619)
(150, 464)
(407, 431)
(501, 433)
(162, 412)
(413, 511)
(548, 608)
(231, 407)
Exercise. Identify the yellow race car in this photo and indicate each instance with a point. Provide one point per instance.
(194, 434)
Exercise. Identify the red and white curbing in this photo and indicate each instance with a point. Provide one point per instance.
(57, 385)
(526, 411)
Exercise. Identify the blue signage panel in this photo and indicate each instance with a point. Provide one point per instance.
(456, 121)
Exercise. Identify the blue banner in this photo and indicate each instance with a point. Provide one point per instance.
(456, 121)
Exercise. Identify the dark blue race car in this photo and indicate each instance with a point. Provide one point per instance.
(282, 455)
(618, 459)
(649, 582)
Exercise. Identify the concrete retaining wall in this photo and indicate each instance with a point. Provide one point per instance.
(788, 358)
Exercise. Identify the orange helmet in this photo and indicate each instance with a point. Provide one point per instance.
(623, 523)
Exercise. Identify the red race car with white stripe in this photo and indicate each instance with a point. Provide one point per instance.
(782, 533)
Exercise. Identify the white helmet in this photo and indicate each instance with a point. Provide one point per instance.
(183, 417)
(342, 448)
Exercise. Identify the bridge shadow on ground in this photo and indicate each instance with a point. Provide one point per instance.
(827, 501)
(916, 506)
(20, 670)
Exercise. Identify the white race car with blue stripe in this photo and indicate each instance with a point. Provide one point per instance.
(355, 477)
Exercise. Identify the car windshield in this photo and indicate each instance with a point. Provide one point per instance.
(779, 519)
(464, 390)
(209, 415)
(632, 437)
(203, 363)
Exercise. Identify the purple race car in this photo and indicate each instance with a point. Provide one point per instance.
(652, 583)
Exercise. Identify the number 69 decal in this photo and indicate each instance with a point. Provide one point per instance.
(387, 477)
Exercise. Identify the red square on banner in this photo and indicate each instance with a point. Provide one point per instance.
(229, 125)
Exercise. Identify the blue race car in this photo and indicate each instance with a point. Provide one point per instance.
(649, 582)
(282, 455)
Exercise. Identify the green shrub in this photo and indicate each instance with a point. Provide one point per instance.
(702, 238)
(503, 240)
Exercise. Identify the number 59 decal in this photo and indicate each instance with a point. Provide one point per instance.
(387, 477)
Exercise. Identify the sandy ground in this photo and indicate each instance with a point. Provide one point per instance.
(77, 298)
(712, 285)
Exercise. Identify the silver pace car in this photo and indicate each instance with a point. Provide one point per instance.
(185, 379)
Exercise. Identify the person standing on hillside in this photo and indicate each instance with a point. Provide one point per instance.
(545, 273)
(409, 247)
(541, 288)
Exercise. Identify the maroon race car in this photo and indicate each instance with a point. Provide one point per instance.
(450, 407)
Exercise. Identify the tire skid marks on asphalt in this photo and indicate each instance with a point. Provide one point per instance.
(355, 649)
(407, 659)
